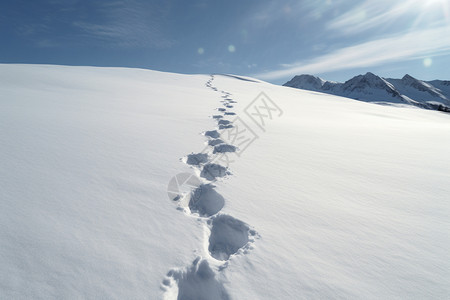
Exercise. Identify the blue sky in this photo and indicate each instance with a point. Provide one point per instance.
(271, 40)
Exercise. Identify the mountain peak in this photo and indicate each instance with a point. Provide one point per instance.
(371, 75)
(306, 81)
(422, 86)
(408, 79)
(368, 82)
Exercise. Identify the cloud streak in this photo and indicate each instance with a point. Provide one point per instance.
(372, 14)
(128, 24)
(404, 47)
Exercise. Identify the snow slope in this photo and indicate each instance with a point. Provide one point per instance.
(86, 154)
(332, 198)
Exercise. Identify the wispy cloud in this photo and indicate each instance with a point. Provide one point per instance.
(384, 14)
(269, 12)
(396, 48)
(128, 23)
(367, 15)
(117, 23)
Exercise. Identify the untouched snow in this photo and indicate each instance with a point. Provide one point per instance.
(86, 155)
(335, 198)
(350, 200)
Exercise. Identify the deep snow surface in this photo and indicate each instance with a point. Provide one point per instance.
(335, 198)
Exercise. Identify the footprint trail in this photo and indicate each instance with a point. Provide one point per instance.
(228, 236)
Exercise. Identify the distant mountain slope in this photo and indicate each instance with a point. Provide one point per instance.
(372, 88)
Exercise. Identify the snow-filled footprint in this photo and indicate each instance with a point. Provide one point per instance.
(221, 127)
(223, 148)
(211, 171)
(197, 282)
(224, 122)
(228, 236)
(212, 133)
(215, 142)
(196, 159)
(206, 201)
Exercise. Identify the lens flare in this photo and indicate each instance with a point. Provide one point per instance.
(427, 62)
(231, 48)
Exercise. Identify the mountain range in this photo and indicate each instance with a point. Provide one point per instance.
(433, 94)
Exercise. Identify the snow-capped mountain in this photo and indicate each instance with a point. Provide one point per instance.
(419, 90)
(443, 85)
(372, 88)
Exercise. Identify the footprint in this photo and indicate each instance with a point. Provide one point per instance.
(197, 282)
(212, 133)
(221, 109)
(223, 148)
(230, 113)
(206, 201)
(212, 171)
(224, 122)
(215, 142)
(217, 116)
(229, 106)
(228, 235)
(196, 159)
(225, 126)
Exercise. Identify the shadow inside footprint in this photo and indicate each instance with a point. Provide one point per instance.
(212, 133)
(225, 126)
(228, 235)
(206, 201)
(211, 171)
(196, 159)
(215, 142)
(223, 148)
(224, 122)
(197, 282)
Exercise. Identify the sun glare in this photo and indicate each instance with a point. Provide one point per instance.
(436, 11)
(442, 3)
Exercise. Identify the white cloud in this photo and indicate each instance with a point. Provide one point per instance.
(371, 14)
(391, 15)
(408, 46)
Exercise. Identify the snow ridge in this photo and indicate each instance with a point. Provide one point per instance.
(372, 88)
(228, 236)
